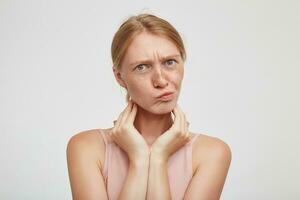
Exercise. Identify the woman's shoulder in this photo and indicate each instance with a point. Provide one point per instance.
(88, 144)
(207, 148)
(86, 137)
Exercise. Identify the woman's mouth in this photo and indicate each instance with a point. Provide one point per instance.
(166, 96)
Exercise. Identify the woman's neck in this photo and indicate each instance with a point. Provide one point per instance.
(150, 125)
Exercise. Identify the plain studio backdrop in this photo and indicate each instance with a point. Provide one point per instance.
(241, 85)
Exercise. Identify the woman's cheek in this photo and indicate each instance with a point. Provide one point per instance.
(137, 92)
(177, 79)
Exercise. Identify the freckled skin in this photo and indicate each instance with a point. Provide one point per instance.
(156, 76)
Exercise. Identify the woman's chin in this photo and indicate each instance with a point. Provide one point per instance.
(160, 108)
(164, 108)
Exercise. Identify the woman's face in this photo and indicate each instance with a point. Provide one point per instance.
(152, 66)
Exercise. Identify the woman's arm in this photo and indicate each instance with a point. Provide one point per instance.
(210, 176)
(84, 169)
(158, 182)
(135, 186)
(164, 146)
(125, 135)
(86, 180)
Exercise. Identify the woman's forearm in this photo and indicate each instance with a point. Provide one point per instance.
(158, 181)
(135, 186)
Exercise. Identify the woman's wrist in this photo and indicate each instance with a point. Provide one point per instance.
(140, 160)
(158, 158)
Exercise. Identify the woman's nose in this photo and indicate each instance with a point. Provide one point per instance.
(159, 79)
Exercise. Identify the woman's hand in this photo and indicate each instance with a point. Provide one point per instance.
(173, 138)
(127, 137)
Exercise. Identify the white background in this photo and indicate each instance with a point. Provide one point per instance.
(241, 85)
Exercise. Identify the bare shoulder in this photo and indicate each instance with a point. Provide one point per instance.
(88, 143)
(84, 166)
(212, 157)
(208, 149)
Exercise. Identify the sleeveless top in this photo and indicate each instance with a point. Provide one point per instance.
(116, 166)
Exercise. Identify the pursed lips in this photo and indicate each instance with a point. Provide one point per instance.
(165, 94)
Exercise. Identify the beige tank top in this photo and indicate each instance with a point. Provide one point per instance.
(116, 167)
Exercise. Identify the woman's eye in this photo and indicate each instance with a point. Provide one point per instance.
(171, 62)
(140, 67)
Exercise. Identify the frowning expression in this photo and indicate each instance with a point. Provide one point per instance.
(152, 66)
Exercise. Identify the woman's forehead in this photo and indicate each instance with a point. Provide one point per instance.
(149, 46)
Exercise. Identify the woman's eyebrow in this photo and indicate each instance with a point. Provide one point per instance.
(149, 60)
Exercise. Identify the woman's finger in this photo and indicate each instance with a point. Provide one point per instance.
(182, 122)
(127, 111)
(187, 127)
(176, 123)
(119, 120)
(132, 114)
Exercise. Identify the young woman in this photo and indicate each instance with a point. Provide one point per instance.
(149, 153)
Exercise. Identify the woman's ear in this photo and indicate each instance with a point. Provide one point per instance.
(119, 77)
